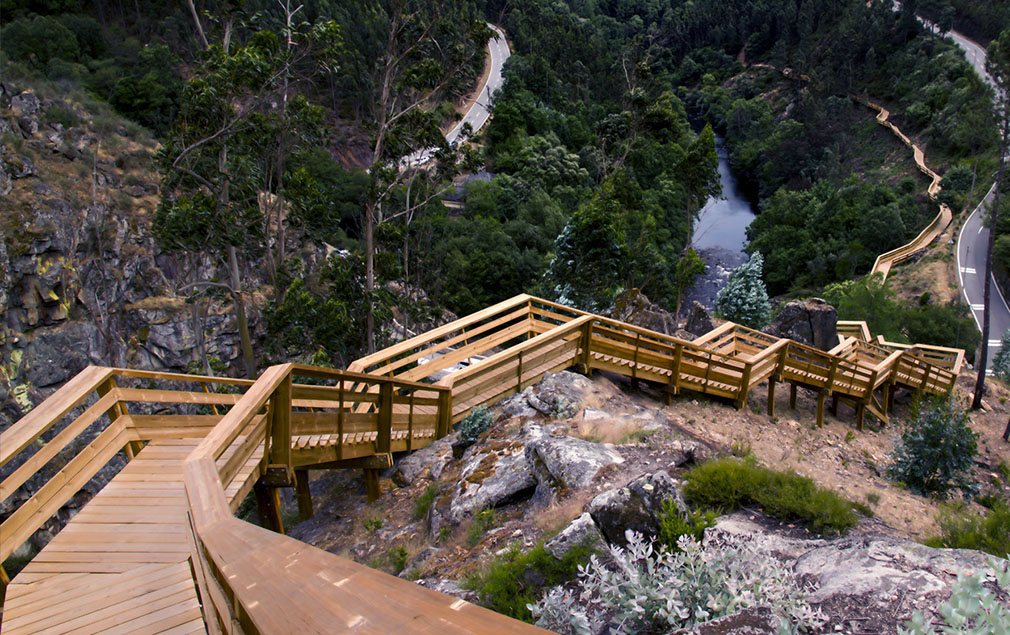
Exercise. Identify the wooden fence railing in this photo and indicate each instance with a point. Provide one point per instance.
(114, 428)
(264, 431)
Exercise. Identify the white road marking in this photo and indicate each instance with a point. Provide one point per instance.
(970, 270)
(994, 342)
(977, 307)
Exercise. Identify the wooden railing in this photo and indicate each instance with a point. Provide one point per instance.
(263, 431)
(273, 413)
(115, 430)
(855, 329)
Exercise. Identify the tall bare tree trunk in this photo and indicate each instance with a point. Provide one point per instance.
(243, 325)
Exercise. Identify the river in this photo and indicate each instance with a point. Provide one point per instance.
(723, 221)
(720, 234)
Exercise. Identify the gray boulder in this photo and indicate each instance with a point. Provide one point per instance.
(878, 569)
(560, 394)
(635, 506)
(633, 307)
(812, 321)
(496, 473)
(431, 459)
(699, 321)
(581, 531)
(25, 104)
(569, 462)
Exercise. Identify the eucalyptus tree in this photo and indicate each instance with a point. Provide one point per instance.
(429, 48)
(214, 161)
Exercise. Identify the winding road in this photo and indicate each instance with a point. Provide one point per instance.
(973, 240)
(480, 110)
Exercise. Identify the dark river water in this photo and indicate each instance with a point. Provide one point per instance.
(723, 222)
(720, 234)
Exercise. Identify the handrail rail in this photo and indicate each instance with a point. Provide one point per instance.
(273, 409)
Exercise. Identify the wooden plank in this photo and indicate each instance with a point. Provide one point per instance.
(27, 518)
(25, 471)
(146, 395)
(428, 336)
(43, 416)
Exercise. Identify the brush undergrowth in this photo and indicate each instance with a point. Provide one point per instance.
(730, 483)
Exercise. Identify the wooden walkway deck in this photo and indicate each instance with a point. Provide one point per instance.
(159, 550)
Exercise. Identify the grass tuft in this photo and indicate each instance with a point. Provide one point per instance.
(730, 483)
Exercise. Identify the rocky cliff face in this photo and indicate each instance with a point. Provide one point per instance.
(82, 280)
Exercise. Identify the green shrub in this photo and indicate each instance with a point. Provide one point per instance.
(937, 451)
(962, 529)
(373, 524)
(483, 521)
(517, 579)
(744, 299)
(424, 501)
(475, 423)
(673, 524)
(657, 591)
(972, 608)
(730, 483)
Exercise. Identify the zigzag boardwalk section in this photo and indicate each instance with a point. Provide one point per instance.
(159, 549)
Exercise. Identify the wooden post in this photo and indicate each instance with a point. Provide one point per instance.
(634, 361)
(410, 423)
(792, 395)
(678, 356)
(382, 439)
(280, 430)
(340, 420)
(860, 411)
(820, 408)
(889, 390)
(444, 413)
(372, 488)
(117, 410)
(771, 396)
(4, 581)
(303, 495)
(519, 374)
(586, 350)
(834, 405)
(268, 503)
(744, 387)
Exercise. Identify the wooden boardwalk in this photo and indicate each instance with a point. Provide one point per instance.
(158, 549)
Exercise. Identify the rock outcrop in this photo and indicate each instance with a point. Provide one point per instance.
(637, 507)
(812, 321)
(633, 307)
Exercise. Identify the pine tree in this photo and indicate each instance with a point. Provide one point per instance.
(744, 299)
(1001, 361)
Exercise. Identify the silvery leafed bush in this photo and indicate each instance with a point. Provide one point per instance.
(645, 589)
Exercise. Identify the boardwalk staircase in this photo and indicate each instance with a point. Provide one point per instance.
(159, 549)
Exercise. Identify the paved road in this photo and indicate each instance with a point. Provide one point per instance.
(480, 111)
(973, 241)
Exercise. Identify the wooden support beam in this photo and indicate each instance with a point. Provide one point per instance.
(382, 440)
(303, 495)
(820, 408)
(834, 405)
(444, 414)
(268, 503)
(771, 396)
(280, 429)
(372, 488)
(860, 412)
(372, 462)
(792, 395)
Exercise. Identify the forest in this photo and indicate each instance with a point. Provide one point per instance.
(282, 126)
